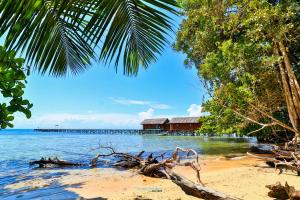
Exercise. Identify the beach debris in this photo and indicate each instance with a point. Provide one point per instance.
(161, 167)
(97, 198)
(126, 161)
(285, 157)
(279, 191)
(257, 150)
(140, 197)
(197, 190)
(151, 189)
(53, 162)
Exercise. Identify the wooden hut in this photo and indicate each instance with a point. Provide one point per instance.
(184, 124)
(156, 124)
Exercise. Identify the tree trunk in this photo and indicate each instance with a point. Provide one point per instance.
(161, 167)
(198, 190)
(291, 88)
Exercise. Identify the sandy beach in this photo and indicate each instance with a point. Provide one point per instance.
(242, 177)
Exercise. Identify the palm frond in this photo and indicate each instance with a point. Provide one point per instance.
(60, 36)
(48, 34)
(134, 30)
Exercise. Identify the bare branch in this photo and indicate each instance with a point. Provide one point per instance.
(278, 122)
(263, 127)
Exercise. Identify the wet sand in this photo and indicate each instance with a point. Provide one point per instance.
(241, 177)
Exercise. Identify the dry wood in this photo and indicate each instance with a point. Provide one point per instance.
(197, 190)
(161, 167)
(266, 158)
(53, 162)
(256, 150)
(279, 191)
(283, 158)
(127, 161)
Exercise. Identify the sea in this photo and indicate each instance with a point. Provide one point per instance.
(20, 146)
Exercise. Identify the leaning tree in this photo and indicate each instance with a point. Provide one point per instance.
(248, 54)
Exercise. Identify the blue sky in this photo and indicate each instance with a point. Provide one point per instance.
(100, 98)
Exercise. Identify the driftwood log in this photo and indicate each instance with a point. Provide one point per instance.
(257, 150)
(279, 191)
(50, 162)
(152, 166)
(161, 167)
(285, 157)
(197, 190)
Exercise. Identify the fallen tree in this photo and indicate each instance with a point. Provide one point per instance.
(161, 167)
(50, 162)
(285, 157)
(197, 190)
(257, 150)
(152, 166)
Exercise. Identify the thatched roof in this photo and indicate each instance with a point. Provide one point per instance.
(183, 120)
(155, 121)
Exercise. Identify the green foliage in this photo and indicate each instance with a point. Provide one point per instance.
(231, 43)
(64, 36)
(12, 84)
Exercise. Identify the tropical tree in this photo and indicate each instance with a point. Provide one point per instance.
(12, 84)
(61, 37)
(247, 53)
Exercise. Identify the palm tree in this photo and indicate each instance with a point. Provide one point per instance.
(61, 37)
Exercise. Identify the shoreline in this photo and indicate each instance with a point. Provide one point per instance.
(242, 177)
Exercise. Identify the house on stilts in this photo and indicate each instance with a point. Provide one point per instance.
(177, 124)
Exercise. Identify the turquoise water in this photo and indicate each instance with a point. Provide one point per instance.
(18, 147)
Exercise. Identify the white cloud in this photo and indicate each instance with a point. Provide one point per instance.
(147, 114)
(151, 104)
(94, 119)
(129, 101)
(88, 120)
(195, 110)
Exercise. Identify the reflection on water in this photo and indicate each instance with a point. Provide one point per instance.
(224, 146)
(18, 147)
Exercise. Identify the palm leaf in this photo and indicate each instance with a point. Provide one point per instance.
(134, 30)
(46, 32)
(60, 36)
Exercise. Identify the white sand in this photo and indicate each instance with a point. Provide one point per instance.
(244, 178)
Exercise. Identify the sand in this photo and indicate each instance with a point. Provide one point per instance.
(241, 177)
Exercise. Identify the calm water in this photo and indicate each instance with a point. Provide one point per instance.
(18, 147)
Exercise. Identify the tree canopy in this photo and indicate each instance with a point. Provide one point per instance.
(12, 84)
(247, 54)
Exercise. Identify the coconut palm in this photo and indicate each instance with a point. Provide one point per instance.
(63, 37)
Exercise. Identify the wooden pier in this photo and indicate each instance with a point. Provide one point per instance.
(102, 131)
